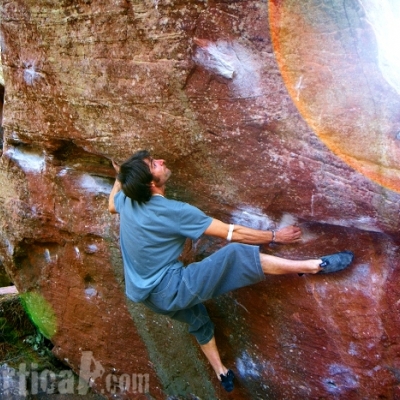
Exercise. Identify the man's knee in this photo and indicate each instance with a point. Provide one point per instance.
(204, 333)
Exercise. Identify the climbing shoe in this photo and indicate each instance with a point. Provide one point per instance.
(336, 262)
(227, 380)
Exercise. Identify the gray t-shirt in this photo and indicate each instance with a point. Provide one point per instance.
(152, 236)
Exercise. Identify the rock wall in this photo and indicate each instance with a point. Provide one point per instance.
(268, 113)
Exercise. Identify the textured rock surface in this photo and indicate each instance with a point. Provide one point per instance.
(268, 114)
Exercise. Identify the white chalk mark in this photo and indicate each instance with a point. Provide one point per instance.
(30, 73)
(77, 252)
(298, 87)
(231, 61)
(47, 255)
(28, 161)
(95, 184)
(250, 367)
(241, 305)
(251, 217)
(90, 292)
(91, 248)
(287, 220)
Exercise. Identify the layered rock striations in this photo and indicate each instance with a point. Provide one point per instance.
(268, 114)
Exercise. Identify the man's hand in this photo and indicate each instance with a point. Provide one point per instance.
(116, 166)
(289, 234)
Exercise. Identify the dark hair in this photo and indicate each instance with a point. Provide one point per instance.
(135, 177)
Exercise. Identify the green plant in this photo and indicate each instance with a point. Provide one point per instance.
(37, 343)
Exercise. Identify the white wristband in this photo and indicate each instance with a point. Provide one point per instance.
(230, 232)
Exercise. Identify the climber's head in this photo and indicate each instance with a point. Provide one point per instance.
(142, 175)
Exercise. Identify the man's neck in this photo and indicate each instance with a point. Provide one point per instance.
(158, 191)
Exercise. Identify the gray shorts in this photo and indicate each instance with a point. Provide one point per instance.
(181, 292)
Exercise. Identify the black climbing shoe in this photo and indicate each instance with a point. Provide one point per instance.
(227, 381)
(336, 262)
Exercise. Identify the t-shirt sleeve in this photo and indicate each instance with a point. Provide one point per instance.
(119, 198)
(193, 222)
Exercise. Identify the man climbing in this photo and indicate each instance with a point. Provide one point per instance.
(153, 230)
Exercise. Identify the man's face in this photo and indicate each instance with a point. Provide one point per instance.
(159, 170)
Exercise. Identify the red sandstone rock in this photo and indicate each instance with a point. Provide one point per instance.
(267, 115)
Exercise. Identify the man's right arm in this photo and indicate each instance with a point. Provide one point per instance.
(111, 205)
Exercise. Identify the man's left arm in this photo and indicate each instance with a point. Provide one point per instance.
(111, 205)
(116, 188)
(246, 235)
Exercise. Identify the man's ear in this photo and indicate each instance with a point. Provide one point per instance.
(152, 187)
